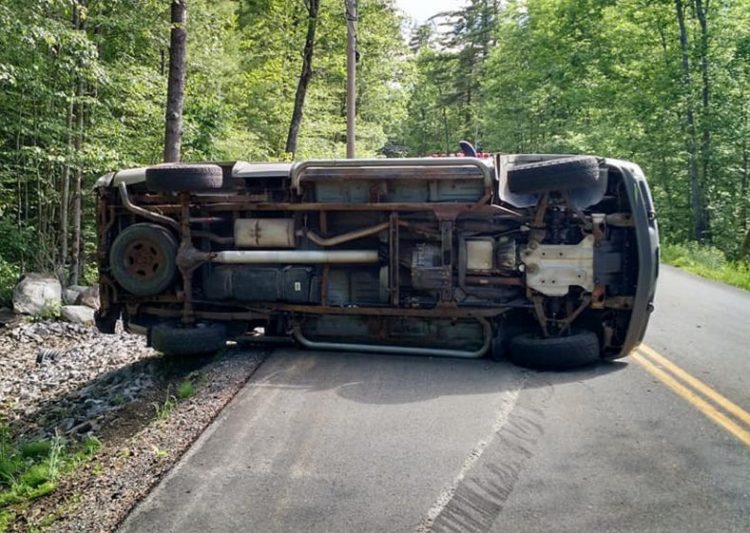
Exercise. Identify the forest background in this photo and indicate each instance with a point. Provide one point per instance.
(664, 83)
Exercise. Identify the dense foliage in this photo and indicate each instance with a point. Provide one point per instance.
(83, 84)
(664, 83)
(83, 90)
(708, 262)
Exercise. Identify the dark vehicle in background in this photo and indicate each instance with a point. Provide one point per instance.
(548, 259)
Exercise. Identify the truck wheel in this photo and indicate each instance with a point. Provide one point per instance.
(143, 259)
(555, 175)
(174, 339)
(184, 178)
(555, 353)
(106, 320)
(500, 347)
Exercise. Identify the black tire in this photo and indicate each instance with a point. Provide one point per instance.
(173, 339)
(106, 321)
(467, 148)
(500, 347)
(555, 353)
(143, 259)
(555, 175)
(184, 178)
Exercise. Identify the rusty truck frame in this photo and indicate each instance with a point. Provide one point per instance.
(550, 260)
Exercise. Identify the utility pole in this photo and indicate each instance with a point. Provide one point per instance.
(351, 73)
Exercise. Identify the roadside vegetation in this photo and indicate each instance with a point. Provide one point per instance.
(707, 262)
(8, 278)
(185, 389)
(32, 469)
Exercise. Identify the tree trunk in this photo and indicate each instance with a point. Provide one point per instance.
(468, 111)
(313, 7)
(65, 199)
(745, 250)
(744, 198)
(701, 11)
(75, 268)
(445, 131)
(696, 194)
(745, 182)
(176, 83)
(350, 11)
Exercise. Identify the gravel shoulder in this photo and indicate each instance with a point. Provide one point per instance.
(65, 380)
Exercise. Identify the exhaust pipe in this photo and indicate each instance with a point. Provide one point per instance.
(304, 257)
(403, 350)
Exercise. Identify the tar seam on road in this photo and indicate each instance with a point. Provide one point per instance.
(446, 495)
(478, 494)
(681, 382)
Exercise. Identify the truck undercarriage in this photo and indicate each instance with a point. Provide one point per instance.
(419, 256)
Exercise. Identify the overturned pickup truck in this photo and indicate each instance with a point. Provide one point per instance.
(548, 260)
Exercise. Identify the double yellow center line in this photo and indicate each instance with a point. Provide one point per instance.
(718, 408)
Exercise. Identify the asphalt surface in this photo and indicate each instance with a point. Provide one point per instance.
(344, 442)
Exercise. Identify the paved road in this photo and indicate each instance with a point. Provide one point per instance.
(339, 442)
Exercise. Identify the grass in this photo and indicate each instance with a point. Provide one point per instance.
(707, 262)
(34, 449)
(49, 311)
(165, 408)
(32, 469)
(185, 389)
(159, 453)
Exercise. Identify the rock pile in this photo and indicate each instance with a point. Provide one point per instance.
(67, 377)
(41, 295)
(37, 294)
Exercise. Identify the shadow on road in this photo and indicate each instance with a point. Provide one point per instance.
(109, 406)
(393, 379)
(119, 402)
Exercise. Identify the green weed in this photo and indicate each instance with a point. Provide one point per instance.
(6, 519)
(55, 455)
(160, 453)
(35, 476)
(119, 399)
(32, 469)
(34, 449)
(165, 408)
(6, 446)
(8, 470)
(185, 389)
(91, 445)
(707, 262)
